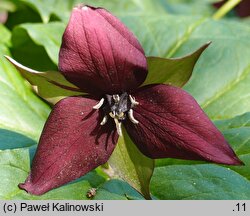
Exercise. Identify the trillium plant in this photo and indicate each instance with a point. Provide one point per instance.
(104, 72)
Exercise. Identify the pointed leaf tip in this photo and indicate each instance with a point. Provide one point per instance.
(173, 71)
(51, 86)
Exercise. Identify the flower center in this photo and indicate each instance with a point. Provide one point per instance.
(117, 107)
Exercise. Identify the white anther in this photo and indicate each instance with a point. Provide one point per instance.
(85, 8)
(112, 114)
(104, 120)
(118, 127)
(100, 103)
(116, 98)
(133, 101)
(131, 117)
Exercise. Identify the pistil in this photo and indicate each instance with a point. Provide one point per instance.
(117, 107)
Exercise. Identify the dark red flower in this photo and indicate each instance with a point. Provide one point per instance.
(103, 58)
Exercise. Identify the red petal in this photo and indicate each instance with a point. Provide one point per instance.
(99, 54)
(172, 124)
(72, 143)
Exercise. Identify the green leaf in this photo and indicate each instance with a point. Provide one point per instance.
(46, 35)
(131, 165)
(14, 166)
(189, 7)
(170, 161)
(116, 190)
(22, 14)
(61, 9)
(74, 191)
(5, 35)
(51, 86)
(220, 79)
(6, 5)
(237, 132)
(48, 7)
(30, 41)
(10, 139)
(239, 140)
(205, 182)
(21, 110)
(240, 121)
(176, 71)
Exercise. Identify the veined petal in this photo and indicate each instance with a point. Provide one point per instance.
(72, 143)
(172, 124)
(99, 54)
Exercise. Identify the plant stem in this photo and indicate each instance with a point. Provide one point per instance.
(228, 6)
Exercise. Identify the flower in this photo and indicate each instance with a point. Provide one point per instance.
(104, 59)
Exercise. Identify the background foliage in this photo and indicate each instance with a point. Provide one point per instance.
(166, 28)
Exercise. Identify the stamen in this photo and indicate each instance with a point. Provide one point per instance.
(85, 8)
(118, 127)
(116, 98)
(131, 117)
(99, 105)
(133, 101)
(121, 115)
(117, 107)
(112, 114)
(104, 120)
